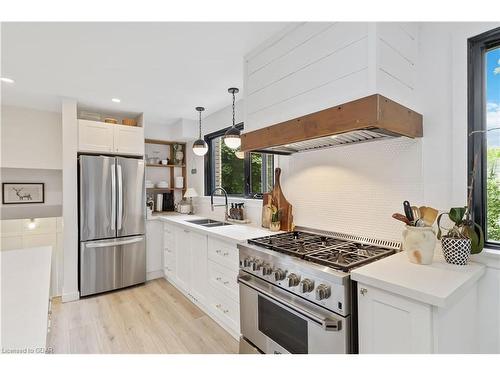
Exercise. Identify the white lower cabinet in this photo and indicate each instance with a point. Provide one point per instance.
(388, 323)
(198, 266)
(154, 248)
(205, 270)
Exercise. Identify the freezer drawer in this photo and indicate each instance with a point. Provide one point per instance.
(111, 264)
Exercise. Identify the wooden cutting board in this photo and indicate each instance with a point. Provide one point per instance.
(280, 201)
(266, 211)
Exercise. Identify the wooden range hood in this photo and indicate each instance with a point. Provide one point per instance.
(367, 119)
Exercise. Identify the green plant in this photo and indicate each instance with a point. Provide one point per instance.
(275, 213)
(463, 227)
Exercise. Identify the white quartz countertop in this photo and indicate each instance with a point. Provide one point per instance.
(25, 298)
(438, 284)
(233, 232)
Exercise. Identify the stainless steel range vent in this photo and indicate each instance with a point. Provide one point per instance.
(367, 119)
(357, 136)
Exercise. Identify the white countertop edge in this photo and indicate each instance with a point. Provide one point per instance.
(377, 278)
(252, 231)
(416, 294)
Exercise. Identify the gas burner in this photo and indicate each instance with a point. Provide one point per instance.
(297, 243)
(348, 256)
(330, 251)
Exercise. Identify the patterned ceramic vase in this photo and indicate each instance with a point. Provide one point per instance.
(456, 250)
(419, 244)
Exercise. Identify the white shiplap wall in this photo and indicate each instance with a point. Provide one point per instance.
(312, 66)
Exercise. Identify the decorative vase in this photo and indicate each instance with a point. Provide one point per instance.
(275, 226)
(456, 250)
(419, 244)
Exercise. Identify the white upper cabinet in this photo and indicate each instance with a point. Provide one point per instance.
(96, 136)
(311, 66)
(128, 140)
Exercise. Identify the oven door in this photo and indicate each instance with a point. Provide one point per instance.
(276, 321)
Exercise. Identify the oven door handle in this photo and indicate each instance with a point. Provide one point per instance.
(328, 323)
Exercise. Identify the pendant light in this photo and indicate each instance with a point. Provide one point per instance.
(239, 154)
(200, 147)
(232, 137)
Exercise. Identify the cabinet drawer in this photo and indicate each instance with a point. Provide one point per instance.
(226, 309)
(223, 279)
(224, 253)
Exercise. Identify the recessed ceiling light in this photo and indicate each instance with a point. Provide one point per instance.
(116, 100)
(7, 80)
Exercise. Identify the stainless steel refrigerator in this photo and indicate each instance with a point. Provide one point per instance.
(112, 223)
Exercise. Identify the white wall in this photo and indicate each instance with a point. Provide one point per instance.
(18, 234)
(52, 206)
(31, 138)
(70, 200)
(311, 66)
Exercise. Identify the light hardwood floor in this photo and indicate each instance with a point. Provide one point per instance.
(150, 318)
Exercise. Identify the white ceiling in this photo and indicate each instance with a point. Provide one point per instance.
(162, 69)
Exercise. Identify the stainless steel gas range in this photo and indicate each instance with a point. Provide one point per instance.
(296, 295)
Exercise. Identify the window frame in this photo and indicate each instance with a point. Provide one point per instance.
(209, 163)
(476, 122)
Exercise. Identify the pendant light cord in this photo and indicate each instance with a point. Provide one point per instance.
(233, 112)
(199, 137)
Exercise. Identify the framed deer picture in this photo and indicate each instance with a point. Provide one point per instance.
(23, 192)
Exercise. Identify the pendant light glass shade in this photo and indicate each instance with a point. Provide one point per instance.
(239, 154)
(232, 138)
(200, 147)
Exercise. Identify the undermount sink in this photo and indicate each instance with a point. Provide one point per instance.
(209, 223)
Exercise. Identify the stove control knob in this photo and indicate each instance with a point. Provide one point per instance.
(247, 262)
(267, 269)
(306, 286)
(323, 292)
(279, 274)
(293, 280)
(256, 264)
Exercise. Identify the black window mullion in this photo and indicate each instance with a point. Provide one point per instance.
(477, 142)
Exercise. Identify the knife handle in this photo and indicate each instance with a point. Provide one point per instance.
(408, 211)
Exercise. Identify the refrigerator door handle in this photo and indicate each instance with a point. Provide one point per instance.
(113, 196)
(120, 197)
(128, 241)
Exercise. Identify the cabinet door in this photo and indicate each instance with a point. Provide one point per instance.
(391, 324)
(199, 278)
(95, 136)
(154, 246)
(128, 139)
(183, 259)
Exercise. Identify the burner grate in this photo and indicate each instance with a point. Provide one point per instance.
(298, 243)
(348, 256)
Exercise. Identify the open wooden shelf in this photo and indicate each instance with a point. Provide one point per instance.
(166, 165)
(165, 189)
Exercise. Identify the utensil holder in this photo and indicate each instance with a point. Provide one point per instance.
(419, 244)
(456, 250)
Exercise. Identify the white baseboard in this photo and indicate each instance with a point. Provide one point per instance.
(154, 275)
(68, 297)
